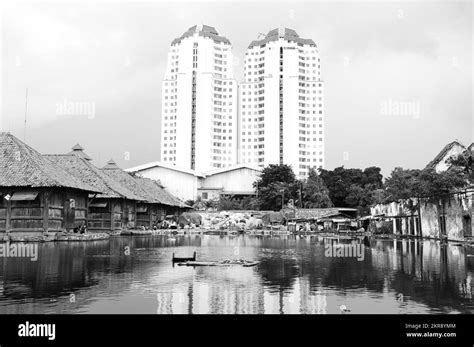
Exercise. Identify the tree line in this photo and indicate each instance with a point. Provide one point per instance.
(349, 187)
(357, 188)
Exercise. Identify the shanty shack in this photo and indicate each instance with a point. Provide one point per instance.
(109, 210)
(155, 202)
(36, 195)
(334, 218)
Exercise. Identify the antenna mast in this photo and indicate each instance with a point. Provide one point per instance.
(26, 112)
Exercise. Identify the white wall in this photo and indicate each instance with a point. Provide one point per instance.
(235, 180)
(210, 74)
(180, 184)
(299, 121)
(454, 151)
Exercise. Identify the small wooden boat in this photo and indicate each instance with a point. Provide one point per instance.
(245, 263)
(199, 263)
(251, 264)
(182, 259)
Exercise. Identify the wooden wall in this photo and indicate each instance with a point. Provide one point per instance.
(153, 214)
(58, 209)
(53, 210)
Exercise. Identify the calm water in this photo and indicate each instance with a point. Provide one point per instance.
(294, 276)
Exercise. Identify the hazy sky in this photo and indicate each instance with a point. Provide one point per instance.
(398, 76)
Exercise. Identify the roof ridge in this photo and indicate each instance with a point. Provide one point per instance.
(35, 159)
(96, 171)
(43, 171)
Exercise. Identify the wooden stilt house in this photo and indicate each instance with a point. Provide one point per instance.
(108, 209)
(36, 195)
(156, 201)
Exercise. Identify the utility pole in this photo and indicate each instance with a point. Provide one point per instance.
(301, 195)
(282, 191)
(26, 112)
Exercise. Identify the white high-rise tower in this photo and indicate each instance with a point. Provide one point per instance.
(281, 103)
(199, 103)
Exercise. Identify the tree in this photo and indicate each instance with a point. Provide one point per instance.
(402, 184)
(315, 193)
(337, 183)
(275, 182)
(245, 203)
(427, 183)
(435, 185)
(373, 177)
(464, 161)
(353, 187)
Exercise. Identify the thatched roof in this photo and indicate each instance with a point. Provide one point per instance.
(149, 190)
(22, 166)
(84, 170)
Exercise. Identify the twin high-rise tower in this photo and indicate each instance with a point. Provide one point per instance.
(274, 116)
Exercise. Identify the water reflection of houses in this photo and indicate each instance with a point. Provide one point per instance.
(448, 217)
(81, 269)
(443, 271)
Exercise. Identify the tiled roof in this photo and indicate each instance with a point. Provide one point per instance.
(149, 190)
(79, 151)
(83, 170)
(203, 31)
(22, 166)
(288, 35)
(315, 213)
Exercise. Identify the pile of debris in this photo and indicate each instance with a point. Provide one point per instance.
(231, 221)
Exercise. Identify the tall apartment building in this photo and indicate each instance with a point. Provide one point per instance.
(199, 102)
(281, 103)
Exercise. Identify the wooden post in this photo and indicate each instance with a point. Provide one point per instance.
(8, 216)
(112, 215)
(135, 213)
(122, 215)
(87, 212)
(45, 210)
(150, 215)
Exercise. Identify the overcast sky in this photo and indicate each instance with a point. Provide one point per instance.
(375, 58)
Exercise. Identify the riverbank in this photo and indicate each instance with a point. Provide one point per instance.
(52, 237)
(91, 236)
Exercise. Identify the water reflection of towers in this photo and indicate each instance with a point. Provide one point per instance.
(165, 303)
(229, 299)
(311, 302)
